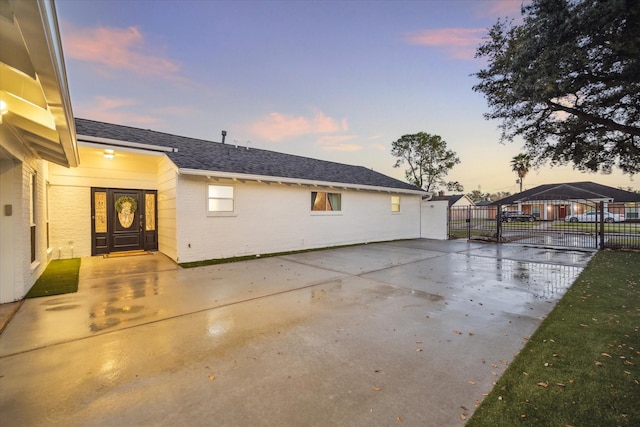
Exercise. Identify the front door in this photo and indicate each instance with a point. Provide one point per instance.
(123, 220)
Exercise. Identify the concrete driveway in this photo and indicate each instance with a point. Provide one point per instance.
(412, 332)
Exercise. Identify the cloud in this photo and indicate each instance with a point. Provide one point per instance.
(458, 43)
(505, 8)
(338, 143)
(279, 126)
(122, 49)
(379, 147)
(113, 110)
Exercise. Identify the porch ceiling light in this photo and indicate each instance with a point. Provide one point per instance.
(109, 154)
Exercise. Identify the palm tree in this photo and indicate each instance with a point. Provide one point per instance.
(521, 164)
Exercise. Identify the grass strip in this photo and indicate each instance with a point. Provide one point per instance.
(582, 366)
(60, 277)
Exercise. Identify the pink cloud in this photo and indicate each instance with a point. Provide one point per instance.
(338, 143)
(379, 147)
(459, 43)
(112, 110)
(278, 126)
(117, 48)
(505, 8)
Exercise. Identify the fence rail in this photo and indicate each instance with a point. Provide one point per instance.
(584, 224)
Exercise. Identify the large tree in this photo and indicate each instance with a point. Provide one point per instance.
(520, 164)
(567, 81)
(428, 158)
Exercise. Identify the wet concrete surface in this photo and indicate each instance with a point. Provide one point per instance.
(413, 331)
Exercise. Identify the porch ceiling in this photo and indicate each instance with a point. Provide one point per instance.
(33, 83)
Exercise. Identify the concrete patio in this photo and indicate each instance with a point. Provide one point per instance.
(410, 331)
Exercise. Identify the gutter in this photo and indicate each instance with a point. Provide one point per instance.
(295, 181)
(126, 144)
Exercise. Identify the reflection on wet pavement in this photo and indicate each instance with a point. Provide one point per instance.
(302, 339)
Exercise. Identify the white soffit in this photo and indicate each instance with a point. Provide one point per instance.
(33, 81)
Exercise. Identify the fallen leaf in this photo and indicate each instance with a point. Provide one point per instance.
(463, 416)
(598, 363)
(543, 384)
(399, 418)
(560, 385)
(605, 354)
(418, 349)
(212, 377)
(583, 325)
(471, 382)
(457, 332)
(377, 389)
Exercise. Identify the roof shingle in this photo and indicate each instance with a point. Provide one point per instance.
(212, 156)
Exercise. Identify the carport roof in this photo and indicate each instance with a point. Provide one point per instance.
(586, 190)
(208, 157)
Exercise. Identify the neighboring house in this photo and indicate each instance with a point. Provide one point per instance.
(36, 130)
(556, 201)
(455, 201)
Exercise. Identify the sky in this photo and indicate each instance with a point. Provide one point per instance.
(333, 80)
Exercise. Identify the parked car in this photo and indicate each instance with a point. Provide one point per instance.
(508, 216)
(595, 217)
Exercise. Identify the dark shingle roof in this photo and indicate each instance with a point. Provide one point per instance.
(574, 190)
(452, 199)
(217, 157)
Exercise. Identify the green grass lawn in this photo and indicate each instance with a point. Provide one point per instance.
(60, 277)
(582, 365)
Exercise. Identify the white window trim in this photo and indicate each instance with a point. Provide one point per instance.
(399, 211)
(220, 213)
(327, 213)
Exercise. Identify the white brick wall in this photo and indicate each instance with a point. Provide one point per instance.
(70, 221)
(167, 237)
(275, 218)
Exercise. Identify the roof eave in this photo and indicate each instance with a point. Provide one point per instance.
(295, 181)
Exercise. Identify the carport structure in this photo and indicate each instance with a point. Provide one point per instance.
(413, 331)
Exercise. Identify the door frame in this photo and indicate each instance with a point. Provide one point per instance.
(102, 233)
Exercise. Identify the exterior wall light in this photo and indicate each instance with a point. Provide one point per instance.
(109, 154)
(4, 109)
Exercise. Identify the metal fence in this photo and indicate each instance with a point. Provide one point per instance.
(573, 224)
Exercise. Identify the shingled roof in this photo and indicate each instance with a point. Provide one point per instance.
(571, 191)
(208, 156)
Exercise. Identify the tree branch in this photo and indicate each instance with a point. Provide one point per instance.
(607, 123)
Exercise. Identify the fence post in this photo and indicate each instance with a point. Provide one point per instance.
(601, 222)
(499, 224)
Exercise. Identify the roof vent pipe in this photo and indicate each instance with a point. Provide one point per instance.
(224, 135)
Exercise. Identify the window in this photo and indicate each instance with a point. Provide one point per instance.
(220, 198)
(395, 203)
(321, 201)
(33, 197)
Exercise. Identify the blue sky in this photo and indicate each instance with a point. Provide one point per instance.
(335, 80)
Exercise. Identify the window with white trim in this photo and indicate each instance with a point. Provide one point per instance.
(395, 203)
(321, 201)
(220, 198)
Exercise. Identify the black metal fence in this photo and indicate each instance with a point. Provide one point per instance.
(572, 224)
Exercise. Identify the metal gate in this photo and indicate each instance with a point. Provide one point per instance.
(570, 224)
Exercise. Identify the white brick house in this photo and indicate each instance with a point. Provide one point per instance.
(210, 200)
